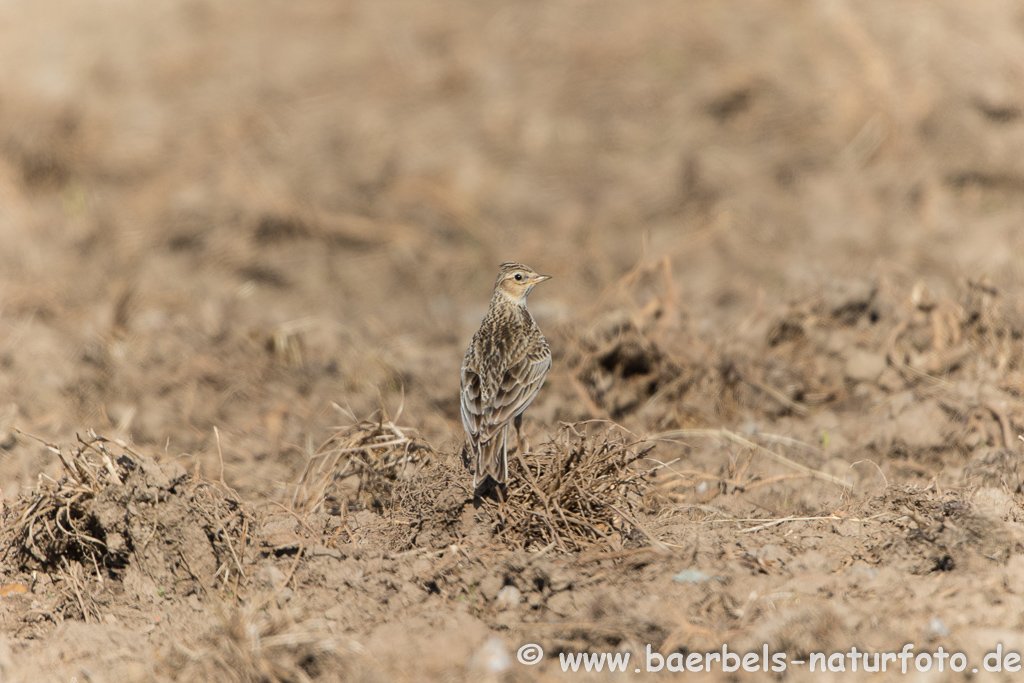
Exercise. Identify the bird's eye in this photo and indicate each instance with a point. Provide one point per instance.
(519, 276)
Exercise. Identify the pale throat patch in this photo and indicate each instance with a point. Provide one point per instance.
(517, 300)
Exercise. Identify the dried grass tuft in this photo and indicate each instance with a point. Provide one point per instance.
(578, 490)
(111, 502)
(358, 467)
(48, 526)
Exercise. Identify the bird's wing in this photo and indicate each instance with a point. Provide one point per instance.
(519, 386)
(471, 402)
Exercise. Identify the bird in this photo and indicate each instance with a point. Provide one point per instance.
(505, 365)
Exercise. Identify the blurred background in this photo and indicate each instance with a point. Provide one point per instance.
(237, 214)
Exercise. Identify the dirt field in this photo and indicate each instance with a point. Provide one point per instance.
(244, 247)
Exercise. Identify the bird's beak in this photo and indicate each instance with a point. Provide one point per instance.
(541, 278)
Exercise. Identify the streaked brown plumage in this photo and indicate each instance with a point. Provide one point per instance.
(504, 368)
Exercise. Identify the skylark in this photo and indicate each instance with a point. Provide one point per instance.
(504, 368)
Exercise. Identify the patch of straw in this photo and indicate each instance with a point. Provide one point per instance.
(577, 491)
(45, 526)
(370, 455)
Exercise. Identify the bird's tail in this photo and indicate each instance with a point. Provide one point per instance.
(492, 459)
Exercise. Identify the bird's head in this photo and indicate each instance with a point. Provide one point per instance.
(516, 280)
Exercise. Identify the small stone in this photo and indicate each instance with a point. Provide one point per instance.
(559, 579)
(508, 597)
(490, 586)
(693, 576)
(115, 543)
(937, 629)
(492, 657)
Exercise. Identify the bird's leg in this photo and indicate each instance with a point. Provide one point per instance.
(518, 422)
